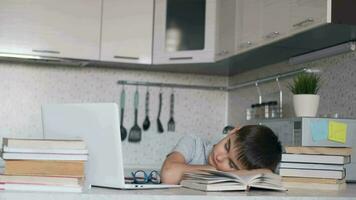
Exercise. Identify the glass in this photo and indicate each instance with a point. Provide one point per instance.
(141, 177)
(185, 25)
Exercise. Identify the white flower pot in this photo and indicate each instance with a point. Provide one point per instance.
(306, 105)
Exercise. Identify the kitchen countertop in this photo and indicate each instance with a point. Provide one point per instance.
(184, 194)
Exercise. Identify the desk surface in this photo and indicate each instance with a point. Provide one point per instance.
(184, 194)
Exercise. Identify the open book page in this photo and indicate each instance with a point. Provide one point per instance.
(220, 180)
(267, 181)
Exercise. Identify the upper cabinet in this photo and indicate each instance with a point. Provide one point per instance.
(127, 31)
(248, 24)
(260, 22)
(187, 31)
(306, 14)
(68, 29)
(164, 32)
(274, 19)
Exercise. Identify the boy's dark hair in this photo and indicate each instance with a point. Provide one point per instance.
(258, 147)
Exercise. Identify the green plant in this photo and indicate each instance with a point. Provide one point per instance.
(305, 83)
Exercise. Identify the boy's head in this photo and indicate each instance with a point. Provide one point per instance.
(250, 147)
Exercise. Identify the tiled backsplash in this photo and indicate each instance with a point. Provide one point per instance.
(25, 87)
(337, 93)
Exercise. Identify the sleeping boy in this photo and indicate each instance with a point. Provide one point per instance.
(250, 149)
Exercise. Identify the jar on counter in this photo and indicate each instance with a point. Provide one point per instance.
(273, 109)
(253, 111)
(266, 110)
(248, 113)
(259, 114)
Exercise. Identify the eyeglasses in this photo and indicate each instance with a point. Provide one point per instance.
(140, 177)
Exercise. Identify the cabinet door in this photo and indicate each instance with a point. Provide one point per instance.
(306, 14)
(68, 29)
(127, 30)
(275, 19)
(225, 24)
(184, 31)
(249, 24)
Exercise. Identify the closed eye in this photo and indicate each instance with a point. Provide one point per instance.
(227, 146)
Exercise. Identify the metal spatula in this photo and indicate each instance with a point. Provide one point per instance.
(135, 132)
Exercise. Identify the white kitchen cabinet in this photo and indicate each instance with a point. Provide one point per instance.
(307, 14)
(225, 26)
(67, 29)
(248, 24)
(127, 31)
(275, 20)
(186, 31)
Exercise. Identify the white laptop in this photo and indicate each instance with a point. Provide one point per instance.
(98, 125)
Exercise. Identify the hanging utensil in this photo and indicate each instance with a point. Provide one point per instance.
(135, 132)
(146, 123)
(159, 124)
(122, 111)
(171, 124)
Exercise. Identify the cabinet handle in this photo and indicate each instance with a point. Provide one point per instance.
(45, 51)
(126, 57)
(302, 23)
(181, 58)
(272, 35)
(223, 52)
(246, 44)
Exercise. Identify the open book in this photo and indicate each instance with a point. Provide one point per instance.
(212, 180)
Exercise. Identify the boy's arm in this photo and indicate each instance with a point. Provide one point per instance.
(175, 166)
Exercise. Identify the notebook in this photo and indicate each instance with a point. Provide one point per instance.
(99, 126)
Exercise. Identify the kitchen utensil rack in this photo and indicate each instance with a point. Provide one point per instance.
(256, 82)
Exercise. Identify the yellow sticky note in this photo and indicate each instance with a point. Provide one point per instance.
(337, 132)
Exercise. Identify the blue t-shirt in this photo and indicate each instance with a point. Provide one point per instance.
(194, 150)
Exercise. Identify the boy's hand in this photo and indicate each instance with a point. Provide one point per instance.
(174, 168)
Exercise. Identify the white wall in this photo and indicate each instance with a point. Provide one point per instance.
(25, 87)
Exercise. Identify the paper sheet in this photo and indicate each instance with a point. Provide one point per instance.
(319, 129)
(337, 132)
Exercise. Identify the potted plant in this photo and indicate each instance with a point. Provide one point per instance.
(305, 99)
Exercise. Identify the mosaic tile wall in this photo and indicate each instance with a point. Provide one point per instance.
(337, 93)
(25, 87)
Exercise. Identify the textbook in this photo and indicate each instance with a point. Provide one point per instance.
(45, 168)
(40, 180)
(43, 156)
(212, 180)
(39, 188)
(38, 183)
(341, 151)
(322, 159)
(314, 186)
(316, 166)
(14, 143)
(311, 173)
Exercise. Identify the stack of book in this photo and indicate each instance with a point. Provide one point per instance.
(315, 167)
(43, 165)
